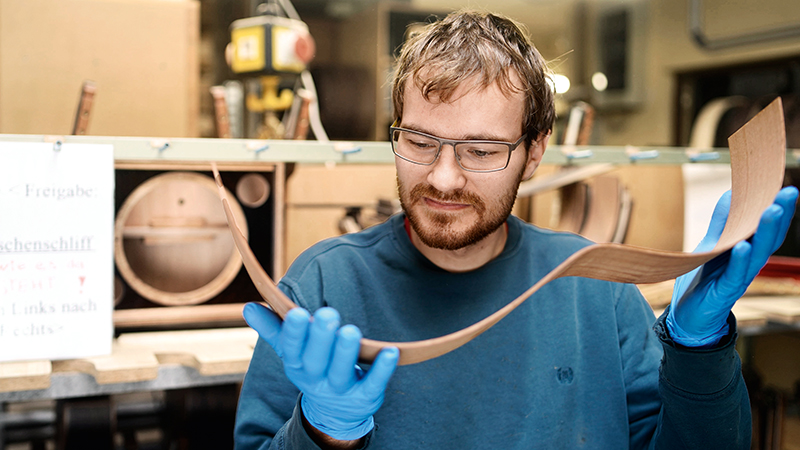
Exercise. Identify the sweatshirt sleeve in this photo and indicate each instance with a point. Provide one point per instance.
(704, 398)
(268, 414)
(266, 403)
(292, 436)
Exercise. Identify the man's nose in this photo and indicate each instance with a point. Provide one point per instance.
(446, 174)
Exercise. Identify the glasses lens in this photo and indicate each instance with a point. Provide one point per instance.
(415, 147)
(483, 156)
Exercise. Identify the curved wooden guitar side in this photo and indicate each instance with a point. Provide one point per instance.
(758, 158)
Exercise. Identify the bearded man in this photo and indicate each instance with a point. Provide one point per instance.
(579, 365)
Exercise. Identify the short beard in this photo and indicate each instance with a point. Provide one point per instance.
(439, 234)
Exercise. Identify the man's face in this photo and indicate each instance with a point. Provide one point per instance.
(448, 207)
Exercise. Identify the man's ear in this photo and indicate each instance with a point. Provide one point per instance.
(535, 154)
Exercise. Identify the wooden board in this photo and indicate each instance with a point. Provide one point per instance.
(603, 215)
(139, 361)
(574, 205)
(123, 365)
(773, 286)
(779, 309)
(748, 317)
(178, 315)
(137, 357)
(24, 375)
(564, 177)
(211, 352)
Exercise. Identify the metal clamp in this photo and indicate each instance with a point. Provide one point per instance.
(159, 144)
(695, 156)
(634, 154)
(257, 146)
(57, 141)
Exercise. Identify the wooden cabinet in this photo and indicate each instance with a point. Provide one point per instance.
(170, 230)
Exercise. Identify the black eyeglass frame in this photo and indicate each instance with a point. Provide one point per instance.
(511, 147)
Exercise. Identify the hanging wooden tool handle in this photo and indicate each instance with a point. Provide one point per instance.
(221, 116)
(81, 122)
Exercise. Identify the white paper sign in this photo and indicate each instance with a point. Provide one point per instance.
(56, 250)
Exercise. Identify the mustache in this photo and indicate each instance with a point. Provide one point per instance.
(458, 196)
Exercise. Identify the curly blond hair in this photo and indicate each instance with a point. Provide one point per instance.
(446, 53)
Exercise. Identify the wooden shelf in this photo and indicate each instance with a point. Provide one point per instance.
(240, 154)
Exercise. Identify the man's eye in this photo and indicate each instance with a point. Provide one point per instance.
(422, 144)
(481, 152)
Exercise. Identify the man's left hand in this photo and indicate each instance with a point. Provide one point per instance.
(703, 298)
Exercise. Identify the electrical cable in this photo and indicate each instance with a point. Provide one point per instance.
(289, 9)
(313, 108)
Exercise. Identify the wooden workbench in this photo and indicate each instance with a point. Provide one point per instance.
(770, 304)
(145, 361)
(163, 360)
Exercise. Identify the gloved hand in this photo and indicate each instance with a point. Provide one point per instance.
(702, 299)
(339, 398)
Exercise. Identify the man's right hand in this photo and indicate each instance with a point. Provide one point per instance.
(339, 398)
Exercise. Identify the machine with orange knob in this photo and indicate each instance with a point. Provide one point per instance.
(276, 49)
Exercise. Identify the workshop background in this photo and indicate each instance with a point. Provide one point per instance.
(637, 73)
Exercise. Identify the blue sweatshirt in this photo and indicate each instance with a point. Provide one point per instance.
(578, 365)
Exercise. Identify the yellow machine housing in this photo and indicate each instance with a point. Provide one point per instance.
(270, 45)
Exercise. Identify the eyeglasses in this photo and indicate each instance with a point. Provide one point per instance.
(472, 155)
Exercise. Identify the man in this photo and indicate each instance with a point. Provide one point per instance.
(577, 365)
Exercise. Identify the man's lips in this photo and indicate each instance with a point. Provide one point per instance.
(448, 206)
(434, 201)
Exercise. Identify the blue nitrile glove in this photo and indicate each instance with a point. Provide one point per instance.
(320, 358)
(703, 298)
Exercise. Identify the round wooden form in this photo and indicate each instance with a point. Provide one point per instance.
(252, 190)
(172, 245)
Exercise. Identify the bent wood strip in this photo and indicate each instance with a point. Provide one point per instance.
(605, 201)
(562, 178)
(757, 162)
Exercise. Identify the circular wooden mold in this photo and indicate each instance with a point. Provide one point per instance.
(172, 243)
(252, 190)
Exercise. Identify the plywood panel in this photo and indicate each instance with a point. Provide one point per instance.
(657, 215)
(341, 184)
(142, 55)
(317, 197)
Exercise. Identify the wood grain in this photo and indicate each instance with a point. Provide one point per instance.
(758, 157)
